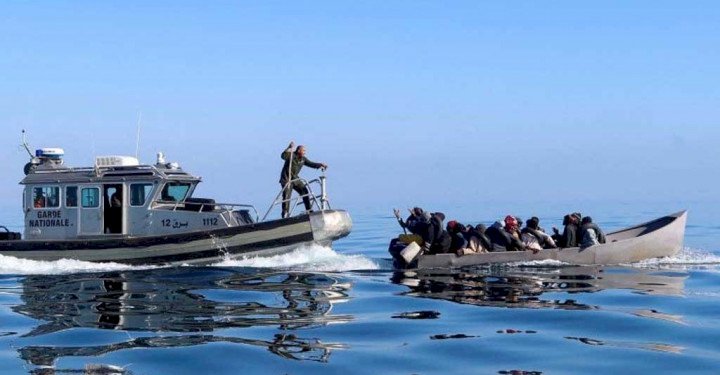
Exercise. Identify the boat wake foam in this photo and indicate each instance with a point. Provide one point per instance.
(16, 266)
(686, 257)
(314, 258)
(550, 263)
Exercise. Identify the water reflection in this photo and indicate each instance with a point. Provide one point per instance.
(524, 287)
(283, 345)
(657, 347)
(200, 301)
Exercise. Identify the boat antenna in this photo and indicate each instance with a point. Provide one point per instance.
(137, 142)
(26, 145)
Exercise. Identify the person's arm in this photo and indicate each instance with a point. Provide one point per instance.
(313, 164)
(288, 151)
(399, 219)
(517, 244)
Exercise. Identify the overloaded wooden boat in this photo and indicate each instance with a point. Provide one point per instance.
(122, 211)
(662, 237)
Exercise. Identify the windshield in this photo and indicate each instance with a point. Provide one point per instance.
(175, 191)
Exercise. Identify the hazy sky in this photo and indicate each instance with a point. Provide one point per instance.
(407, 101)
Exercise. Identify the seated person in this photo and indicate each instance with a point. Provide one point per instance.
(416, 223)
(532, 228)
(484, 242)
(569, 237)
(590, 233)
(477, 241)
(496, 237)
(437, 239)
(512, 226)
(458, 243)
(39, 202)
(502, 238)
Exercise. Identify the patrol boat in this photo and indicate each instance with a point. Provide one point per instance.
(122, 211)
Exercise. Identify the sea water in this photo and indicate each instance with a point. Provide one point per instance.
(344, 310)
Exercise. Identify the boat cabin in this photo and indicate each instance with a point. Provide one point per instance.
(117, 197)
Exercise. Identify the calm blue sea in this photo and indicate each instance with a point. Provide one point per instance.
(344, 310)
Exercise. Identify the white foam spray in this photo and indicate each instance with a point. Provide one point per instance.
(15, 266)
(686, 257)
(540, 263)
(313, 258)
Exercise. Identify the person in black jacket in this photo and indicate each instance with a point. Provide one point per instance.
(416, 223)
(495, 237)
(437, 239)
(532, 227)
(289, 179)
(479, 232)
(458, 242)
(569, 237)
(587, 223)
(502, 239)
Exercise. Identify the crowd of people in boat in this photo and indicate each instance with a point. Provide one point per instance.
(429, 231)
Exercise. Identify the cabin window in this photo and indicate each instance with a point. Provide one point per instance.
(71, 196)
(44, 197)
(139, 193)
(175, 191)
(90, 197)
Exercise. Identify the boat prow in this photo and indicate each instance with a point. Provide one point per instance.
(662, 237)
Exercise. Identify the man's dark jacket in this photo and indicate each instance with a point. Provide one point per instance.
(297, 164)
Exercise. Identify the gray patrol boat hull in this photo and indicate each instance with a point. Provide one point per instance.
(197, 247)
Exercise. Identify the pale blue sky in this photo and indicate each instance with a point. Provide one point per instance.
(407, 101)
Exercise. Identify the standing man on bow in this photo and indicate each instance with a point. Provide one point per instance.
(294, 161)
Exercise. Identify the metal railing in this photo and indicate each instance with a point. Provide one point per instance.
(321, 202)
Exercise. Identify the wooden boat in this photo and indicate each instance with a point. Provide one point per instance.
(658, 238)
